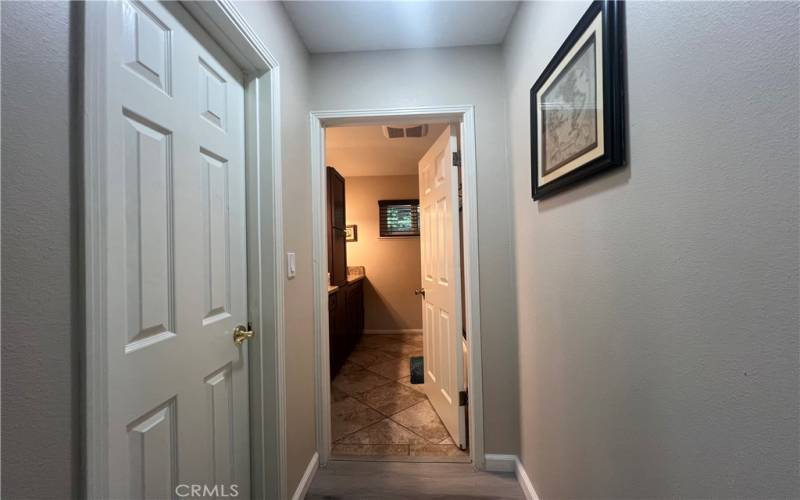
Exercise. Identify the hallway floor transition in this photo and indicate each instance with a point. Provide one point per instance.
(396, 480)
(376, 411)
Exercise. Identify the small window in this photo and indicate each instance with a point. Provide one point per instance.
(399, 217)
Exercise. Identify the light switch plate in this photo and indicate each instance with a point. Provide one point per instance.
(291, 265)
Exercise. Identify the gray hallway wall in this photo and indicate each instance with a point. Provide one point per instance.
(40, 313)
(658, 305)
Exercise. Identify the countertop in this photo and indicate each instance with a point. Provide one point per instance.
(351, 278)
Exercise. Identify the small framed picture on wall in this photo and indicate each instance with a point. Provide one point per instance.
(578, 104)
(351, 233)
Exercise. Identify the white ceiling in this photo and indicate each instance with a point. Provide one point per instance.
(336, 26)
(362, 151)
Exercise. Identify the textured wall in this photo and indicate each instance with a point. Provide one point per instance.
(40, 266)
(392, 264)
(435, 77)
(658, 305)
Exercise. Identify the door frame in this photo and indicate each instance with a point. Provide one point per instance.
(264, 219)
(318, 121)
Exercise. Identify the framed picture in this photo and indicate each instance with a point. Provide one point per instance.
(578, 104)
(351, 233)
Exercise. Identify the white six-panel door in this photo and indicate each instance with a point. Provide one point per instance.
(441, 279)
(175, 273)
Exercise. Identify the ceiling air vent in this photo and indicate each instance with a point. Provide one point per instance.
(399, 132)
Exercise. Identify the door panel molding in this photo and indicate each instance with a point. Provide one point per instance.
(465, 114)
(264, 209)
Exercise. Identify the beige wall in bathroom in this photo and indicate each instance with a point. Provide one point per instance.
(392, 264)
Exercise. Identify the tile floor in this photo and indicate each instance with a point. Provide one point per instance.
(376, 411)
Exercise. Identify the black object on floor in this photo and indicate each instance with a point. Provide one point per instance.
(417, 373)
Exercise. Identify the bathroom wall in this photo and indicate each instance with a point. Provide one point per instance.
(392, 264)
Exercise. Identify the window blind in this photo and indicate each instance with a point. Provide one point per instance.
(399, 217)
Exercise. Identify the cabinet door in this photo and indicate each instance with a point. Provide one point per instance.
(337, 329)
(355, 311)
(338, 252)
(360, 302)
(334, 357)
(337, 247)
(336, 197)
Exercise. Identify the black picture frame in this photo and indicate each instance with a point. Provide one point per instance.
(351, 233)
(613, 92)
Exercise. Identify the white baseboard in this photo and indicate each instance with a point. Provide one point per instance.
(511, 463)
(501, 463)
(525, 482)
(308, 476)
(381, 332)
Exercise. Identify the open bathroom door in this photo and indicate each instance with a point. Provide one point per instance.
(441, 281)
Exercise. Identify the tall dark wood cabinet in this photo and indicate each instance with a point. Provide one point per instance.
(337, 249)
(346, 301)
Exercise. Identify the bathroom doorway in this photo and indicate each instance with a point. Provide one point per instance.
(386, 239)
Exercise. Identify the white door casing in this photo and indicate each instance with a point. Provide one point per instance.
(441, 280)
(175, 269)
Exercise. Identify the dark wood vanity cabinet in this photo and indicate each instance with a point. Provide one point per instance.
(337, 249)
(345, 322)
(355, 311)
(337, 329)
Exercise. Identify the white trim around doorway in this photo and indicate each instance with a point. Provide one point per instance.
(318, 121)
(224, 23)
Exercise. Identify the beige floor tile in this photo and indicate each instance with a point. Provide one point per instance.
(378, 340)
(391, 398)
(414, 339)
(350, 367)
(358, 381)
(394, 369)
(436, 450)
(423, 421)
(363, 398)
(349, 415)
(416, 387)
(366, 356)
(337, 395)
(383, 432)
(400, 350)
(382, 450)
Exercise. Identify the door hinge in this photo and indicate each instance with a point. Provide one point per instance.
(456, 159)
(462, 398)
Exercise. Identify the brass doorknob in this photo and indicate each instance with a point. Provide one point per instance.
(420, 291)
(241, 334)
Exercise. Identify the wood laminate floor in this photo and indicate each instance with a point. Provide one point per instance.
(342, 480)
